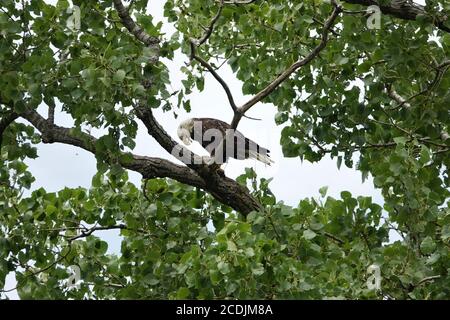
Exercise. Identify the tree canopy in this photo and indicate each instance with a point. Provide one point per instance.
(376, 100)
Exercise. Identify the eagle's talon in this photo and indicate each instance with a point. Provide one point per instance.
(208, 160)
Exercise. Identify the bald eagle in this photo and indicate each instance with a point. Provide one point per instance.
(221, 141)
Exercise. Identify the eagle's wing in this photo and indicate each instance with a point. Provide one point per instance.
(237, 146)
(222, 143)
(212, 133)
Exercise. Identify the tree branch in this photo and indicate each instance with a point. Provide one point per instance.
(145, 114)
(5, 121)
(440, 71)
(195, 43)
(406, 10)
(147, 166)
(285, 75)
(396, 97)
(132, 26)
(427, 279)
(86, 232)
(214, 73)
(239, 1)
(51, 114)
(225, 190)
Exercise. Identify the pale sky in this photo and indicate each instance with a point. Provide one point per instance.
(60, 166)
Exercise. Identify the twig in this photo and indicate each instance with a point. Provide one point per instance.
(333, 237)
(440, 71)
(239, 1)
(222, 82)
(427, 279)
(88, 232)
(195, 43)
(43, 269)
(300, 63)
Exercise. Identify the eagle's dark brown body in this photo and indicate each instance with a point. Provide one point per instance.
(242, 148)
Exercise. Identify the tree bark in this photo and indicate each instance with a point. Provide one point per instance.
(5, 121)
(404, 9)
(225, 190)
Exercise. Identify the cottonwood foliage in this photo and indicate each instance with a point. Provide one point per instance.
(374, 100)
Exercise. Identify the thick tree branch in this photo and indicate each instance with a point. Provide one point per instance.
(224, 189)
(5, 121)
(51, 114)
(285, 75)
(149, 167)
(132, 26)
(145, 114)
(406, 10)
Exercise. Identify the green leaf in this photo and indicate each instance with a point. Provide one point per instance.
(323, 191)
(309, 234)
(445, 234)
(428, 245)
(50, 209)
(223, 267)
(119, 75)
(183, 293)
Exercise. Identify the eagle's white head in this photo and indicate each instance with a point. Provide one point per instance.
(184, 131)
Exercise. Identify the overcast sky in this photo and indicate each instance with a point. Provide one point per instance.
(60, 166)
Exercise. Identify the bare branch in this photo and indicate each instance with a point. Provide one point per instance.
(395, 96)
(285, 75)
(239, 1)
(427, 279)
(216, 76)
(86, 233)
(195, 43)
